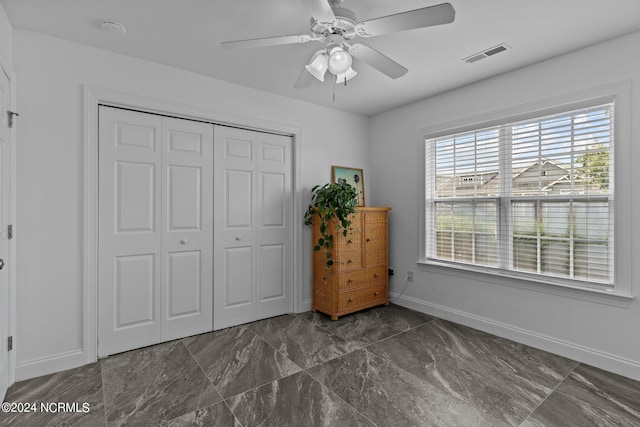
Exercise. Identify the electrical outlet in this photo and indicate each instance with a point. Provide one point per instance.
(390, 271)
(410, 276)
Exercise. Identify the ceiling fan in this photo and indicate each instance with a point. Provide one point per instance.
(336, 27)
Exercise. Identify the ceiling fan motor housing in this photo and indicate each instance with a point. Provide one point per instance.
(344, 25)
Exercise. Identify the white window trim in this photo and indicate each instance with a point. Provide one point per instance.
(619, 92)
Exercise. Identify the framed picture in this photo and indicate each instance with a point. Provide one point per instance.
(352, 176)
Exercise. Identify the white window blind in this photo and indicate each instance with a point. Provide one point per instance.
(533, 197)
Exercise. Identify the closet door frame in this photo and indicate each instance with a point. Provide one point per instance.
(93, 98)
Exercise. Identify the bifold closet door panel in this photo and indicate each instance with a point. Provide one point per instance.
(275, 226)
(253, 226)
(187, 215)
(130, 230)
(155, 229)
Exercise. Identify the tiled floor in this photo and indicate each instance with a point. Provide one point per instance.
(387, 366)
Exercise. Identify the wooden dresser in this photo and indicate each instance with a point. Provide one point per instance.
(359, 277)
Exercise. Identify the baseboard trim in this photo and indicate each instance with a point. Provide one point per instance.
(50, 364)
(609, 362)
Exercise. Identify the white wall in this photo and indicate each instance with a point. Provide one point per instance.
(52, 73)
(6, 36)
(592, 332)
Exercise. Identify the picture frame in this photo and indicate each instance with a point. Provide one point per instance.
(353, 176)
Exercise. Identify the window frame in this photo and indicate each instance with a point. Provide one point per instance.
(620, 291)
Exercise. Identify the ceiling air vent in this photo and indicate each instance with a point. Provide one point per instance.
(487, 53)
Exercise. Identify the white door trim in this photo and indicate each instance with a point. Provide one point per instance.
(8, 69)
(93, 96)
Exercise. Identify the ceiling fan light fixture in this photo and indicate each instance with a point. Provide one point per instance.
(339, 60)
(341, 78)
(318, 65)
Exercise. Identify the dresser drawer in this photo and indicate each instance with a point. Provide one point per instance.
(348, 260)
(351, 242)
(358, 279)
(354, 236)
(363, 296)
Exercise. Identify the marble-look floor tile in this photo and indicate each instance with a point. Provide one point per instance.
(217, 415)
(300, 340)
(454, 369)
(297, 400)
(237, 360)
(80, 385)
(391, 396)
(400, 318)
(560, 410)
(154, 384)
(368, 326)
(527, 362)
(605, 390)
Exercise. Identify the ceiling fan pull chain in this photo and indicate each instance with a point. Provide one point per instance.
(334, 91)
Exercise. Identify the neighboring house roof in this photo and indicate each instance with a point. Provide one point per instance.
(553, 176)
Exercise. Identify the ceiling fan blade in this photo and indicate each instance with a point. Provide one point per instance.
(304, 80)
(268, 41)
(320, 10)
(377, 60)
(420, 18)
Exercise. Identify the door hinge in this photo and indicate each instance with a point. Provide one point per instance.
(12, 115)
(10, 232)
(9, 343)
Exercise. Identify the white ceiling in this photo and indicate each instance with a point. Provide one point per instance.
(187, 34)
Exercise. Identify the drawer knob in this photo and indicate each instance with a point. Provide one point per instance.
(350, 281)
(325, 297)
(375, 275)
(368, 239)
(349, 241)
(376, 293)
(349, 262)
(350, 300)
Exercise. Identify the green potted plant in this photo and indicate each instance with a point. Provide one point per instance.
(333, 203)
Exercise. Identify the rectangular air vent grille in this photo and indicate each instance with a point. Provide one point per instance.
(486, 53)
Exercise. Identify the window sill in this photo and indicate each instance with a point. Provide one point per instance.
(502, 278)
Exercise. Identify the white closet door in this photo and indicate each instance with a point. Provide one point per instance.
(187, 278)
(130, 230)
(155, 229)
(5, 163)
(253, 226)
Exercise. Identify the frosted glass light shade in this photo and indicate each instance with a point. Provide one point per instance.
(341, 78)
(317, 67)
(339, 61)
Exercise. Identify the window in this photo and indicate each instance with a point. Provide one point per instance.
(533, 197)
